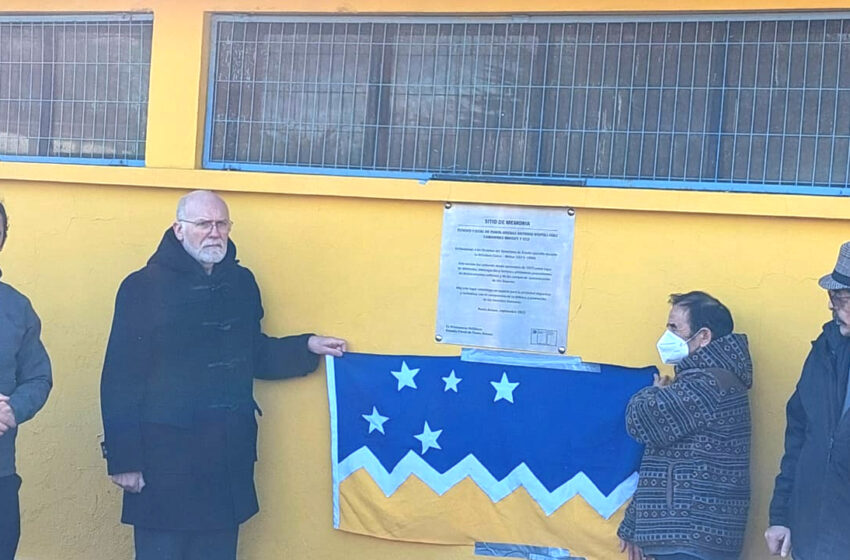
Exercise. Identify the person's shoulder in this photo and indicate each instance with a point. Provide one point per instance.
(696, 380)
(11, 297)
(828, 330)
(244, 273)
(693, 375)
(246, 283)
(828, 340)
(15, 305)
(141, 280)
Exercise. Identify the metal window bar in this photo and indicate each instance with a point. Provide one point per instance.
(74, 88)
(712, 102)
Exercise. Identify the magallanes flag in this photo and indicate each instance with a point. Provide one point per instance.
(440, 450)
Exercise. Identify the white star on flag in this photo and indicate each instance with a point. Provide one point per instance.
(405, 376)
(504, 389)
(376, 421)
(451, 382)
(429, 438)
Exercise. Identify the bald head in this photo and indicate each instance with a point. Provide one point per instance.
(202, 227)
(189, 203)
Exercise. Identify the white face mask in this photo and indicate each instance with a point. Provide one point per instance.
(672, 348)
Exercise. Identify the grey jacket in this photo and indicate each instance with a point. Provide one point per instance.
(25, 375)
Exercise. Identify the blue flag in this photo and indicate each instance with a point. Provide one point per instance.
(554, 433)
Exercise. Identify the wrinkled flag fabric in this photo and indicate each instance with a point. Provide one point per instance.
(435, 449)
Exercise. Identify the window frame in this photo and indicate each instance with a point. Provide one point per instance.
(641, 183)
(81, 18)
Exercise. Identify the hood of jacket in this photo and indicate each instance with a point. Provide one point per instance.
(730, 352)
(834, 340)
(171, 254)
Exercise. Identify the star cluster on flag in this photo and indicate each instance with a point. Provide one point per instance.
(504, 390)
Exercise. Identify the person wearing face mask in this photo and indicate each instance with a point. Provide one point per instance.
(811, 496)
(694, 488)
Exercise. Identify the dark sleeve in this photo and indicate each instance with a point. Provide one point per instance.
(122, 384)
(795, 431)
(33, 375)
(626, 531)
(660, 416)
(279, 358)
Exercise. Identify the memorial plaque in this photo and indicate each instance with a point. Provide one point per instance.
(505, 277)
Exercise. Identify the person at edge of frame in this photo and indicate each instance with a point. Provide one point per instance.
(811, 496)
(25, 382)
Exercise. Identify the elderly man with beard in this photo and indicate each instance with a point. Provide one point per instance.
(694, 488)
(177, 388)
(811, 497)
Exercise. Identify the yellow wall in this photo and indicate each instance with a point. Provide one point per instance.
(359, 258)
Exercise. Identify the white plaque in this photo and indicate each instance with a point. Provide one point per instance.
(505, 277)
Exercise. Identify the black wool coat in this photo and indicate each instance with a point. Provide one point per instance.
(177, 389)
(812, 492)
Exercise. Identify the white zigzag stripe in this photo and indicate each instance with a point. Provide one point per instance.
(469, 466)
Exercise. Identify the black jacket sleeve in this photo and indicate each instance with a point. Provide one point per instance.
(122, 384)
(279, 358)
(795, 433)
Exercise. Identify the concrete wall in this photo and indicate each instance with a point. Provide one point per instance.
(359, 258)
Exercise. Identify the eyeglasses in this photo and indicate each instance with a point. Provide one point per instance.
(223, 226)
(838, 299)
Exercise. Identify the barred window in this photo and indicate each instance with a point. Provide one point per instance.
(74, 88)
(724, 102)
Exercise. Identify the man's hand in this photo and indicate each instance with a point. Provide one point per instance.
(634, 552)
(324, 345)
(778, 539)
(661, 380)
(7, 415)
(131, 482)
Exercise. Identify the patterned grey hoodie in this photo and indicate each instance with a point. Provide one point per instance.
(25, 375)
(694, 487)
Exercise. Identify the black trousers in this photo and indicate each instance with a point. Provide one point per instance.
(10, 516)
(153, 544)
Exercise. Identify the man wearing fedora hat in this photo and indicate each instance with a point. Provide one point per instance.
(811, 498)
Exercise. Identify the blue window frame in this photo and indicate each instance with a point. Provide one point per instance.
(74, 88)
(710, 102)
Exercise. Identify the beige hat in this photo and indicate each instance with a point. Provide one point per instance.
(839, 278)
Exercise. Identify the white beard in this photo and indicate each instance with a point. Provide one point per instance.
(206, 255)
